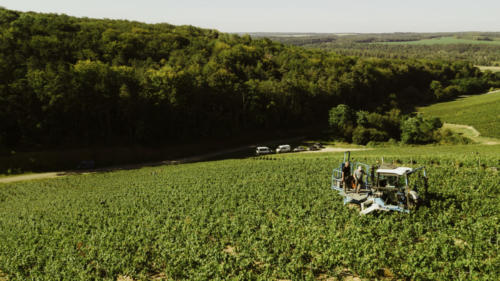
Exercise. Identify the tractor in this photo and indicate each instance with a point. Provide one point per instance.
(385, 188)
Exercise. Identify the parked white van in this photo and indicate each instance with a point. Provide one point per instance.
(261, 150)
(283, 148)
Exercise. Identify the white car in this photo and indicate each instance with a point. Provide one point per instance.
(261, 150)
(283, 148)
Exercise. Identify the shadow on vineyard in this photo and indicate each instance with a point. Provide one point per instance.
(430, 197)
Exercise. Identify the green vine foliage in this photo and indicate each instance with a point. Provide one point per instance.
(273, 217)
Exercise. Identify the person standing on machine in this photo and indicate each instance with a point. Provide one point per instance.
(358, 178)
(346, 175)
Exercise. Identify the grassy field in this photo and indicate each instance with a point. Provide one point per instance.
(490, 68)
(266, 218)
(471, 133)
(443, 41)
(481, 111)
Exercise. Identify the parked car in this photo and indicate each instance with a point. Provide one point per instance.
(262, 150)
(299, 149)
(314, 147)
(319, 145)
(283, 148)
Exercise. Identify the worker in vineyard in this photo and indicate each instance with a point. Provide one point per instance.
(346, 175)
(358, 178)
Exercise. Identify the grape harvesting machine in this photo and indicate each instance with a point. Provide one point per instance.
(384, 187)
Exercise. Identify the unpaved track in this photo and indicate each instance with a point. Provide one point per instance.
(191, 159)
(31, 177)
(336, 149)
(49, 175)
(472, 133)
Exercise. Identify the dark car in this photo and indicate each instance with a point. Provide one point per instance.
(299, 149)
(314, 148)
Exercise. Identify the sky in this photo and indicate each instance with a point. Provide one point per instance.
(346, 16)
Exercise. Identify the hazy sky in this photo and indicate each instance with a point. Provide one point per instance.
(288, 15)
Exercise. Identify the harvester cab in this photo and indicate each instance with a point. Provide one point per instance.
(396, 189)
(385, 188)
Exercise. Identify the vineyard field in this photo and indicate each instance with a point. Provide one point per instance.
(261, 218)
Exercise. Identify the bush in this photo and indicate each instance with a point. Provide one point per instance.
(471, 85)
(362, 135)
(362, 118)
(450, 92)
(388, 123)
(417, 130)
(446, 136)
(342, 120)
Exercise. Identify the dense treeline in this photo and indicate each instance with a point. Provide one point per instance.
(78, 81)
(371, 45)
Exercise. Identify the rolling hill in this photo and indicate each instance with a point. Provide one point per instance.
(482, 112)
(88, 82)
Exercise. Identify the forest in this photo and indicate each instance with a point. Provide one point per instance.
(83, 82)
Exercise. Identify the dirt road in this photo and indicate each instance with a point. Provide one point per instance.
(30, 177)
(191, 159)
(472, 133)
(337, 149)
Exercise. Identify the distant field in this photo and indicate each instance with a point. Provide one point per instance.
(490, 68)
(482, 112)
(443, 41)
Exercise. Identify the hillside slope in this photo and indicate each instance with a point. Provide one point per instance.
(482, 112)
